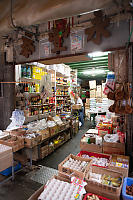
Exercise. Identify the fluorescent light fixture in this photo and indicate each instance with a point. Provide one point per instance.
(94, 72)
(97, 53)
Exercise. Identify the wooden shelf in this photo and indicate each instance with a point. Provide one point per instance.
(55, 135)
(25, 79)
(62, 95)
(60, 99)
(35, 105)
(62, 85)
(33, 94)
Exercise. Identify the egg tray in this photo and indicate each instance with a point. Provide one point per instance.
(59, 189)
(72, 172)
(36, 194)
(93, 186)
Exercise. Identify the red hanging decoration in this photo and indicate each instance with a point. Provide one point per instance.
(72, 21)
(58, 32)
(49, 25)
(69, 24)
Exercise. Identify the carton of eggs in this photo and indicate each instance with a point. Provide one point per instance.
(103, 162)
(56, 189)
(77, 165)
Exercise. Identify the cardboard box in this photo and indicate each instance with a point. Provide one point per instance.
(61, 127)
(32, 142)
(53, 130)
(50, 149)
(92, 93)
(114, 148)
(87, 105)
(44, 152)
(101, 189)
(44, 133)
(17, 132)
(103, 132)
(69, 171)
(90, 147)
(67, 136)
(120, 159)
(92, 84)
(21, 157)
(67, 124)
(76, 106)
(104, 95)
(87, 101)
(6, 161)
(99, 91)
(99, 100)
(5, 150)
(36, 194)
(16, 142)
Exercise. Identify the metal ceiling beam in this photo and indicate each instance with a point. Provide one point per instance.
(92, 66)
(84, 71)
(89, 62)
(95, 59)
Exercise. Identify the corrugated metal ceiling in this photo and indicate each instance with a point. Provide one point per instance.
(86, 68)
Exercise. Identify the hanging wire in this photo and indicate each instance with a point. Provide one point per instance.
(12, 15)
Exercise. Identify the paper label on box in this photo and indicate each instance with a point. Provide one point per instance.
(92, 84)
(79, 184)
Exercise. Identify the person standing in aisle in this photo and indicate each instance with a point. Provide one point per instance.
(78, 100)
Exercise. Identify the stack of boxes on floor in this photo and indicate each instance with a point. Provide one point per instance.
(97, 172)
(98, 101)
(87, 107)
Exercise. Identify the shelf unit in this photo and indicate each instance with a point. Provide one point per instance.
(60, 82)
(60, 99)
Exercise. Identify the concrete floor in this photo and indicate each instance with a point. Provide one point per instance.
(23, 187)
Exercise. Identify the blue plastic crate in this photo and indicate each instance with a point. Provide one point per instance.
(127, 182)
(8, 171)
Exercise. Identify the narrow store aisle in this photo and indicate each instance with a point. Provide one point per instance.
(70, 147)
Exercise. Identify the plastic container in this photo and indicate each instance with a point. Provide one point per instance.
(127, 182)
(97, 155)
(90, 194)
(8, 171)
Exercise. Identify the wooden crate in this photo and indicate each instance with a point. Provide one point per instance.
(44, 133)
(84, 146)
(122, 170)
(17, 132)
(76, 173)
(113, 148)
(76, 107)
(32, 142)
(36, 194)
(53, 130)
(16, 142)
